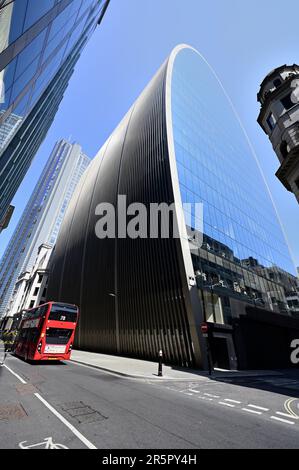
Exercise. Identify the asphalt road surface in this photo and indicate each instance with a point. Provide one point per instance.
(67, 405)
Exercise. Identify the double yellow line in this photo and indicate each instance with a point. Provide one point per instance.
(288, 407)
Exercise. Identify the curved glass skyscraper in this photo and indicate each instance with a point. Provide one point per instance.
(180, 142)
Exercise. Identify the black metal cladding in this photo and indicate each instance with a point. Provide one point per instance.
(130, 292)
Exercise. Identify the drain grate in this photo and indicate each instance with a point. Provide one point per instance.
(10, 412)
(82, 413)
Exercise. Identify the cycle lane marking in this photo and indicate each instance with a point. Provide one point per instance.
(14, 373)
(72, 428)
(47, 443)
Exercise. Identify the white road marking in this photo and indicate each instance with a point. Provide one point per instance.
(284, 414)
(212, 396)
(232, 401)
(58, 415)
(16, 375)
(289, 409)
(252, 411)
(226, 404)
(65, 421)
(205, 398)
(190, 394)
(282, 420)
(259, 407)
(195, 391)
(47, 443)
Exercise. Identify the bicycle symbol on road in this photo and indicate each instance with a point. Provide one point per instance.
(47, 443)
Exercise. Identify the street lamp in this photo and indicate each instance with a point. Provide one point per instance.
(115, 296)
(209, 355)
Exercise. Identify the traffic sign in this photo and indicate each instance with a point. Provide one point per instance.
(204, 328)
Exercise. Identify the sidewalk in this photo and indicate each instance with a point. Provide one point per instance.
(137, 368)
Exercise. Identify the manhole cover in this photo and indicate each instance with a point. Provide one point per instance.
(82, 413)
(10, 412)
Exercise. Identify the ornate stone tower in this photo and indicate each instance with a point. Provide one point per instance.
(279, 118)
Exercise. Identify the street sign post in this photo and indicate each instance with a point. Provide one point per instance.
(204, 328)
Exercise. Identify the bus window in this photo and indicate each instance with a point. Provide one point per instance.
(58, 335)
(61, 313)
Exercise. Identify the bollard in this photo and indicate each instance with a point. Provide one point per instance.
(160, 364)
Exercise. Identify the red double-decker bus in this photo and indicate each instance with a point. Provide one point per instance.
(47, 332)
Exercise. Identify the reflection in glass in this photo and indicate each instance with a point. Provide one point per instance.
(216, 167)
(35, 10)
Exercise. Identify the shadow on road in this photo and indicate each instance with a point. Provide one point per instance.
(40, 363)
(280, 381)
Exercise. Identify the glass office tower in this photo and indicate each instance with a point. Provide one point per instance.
(40, 43)
(180, 142)
(42, 216)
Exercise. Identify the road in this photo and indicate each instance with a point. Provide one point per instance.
(67, 405)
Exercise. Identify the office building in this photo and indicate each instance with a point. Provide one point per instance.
(181, 142)
(31, 286)
(40, 43)
(8, 129)
(279, 118)
(42, 217)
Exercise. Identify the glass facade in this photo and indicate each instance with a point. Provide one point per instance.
(140, 295)
(37, 39)
(216, 166)
(43, 215)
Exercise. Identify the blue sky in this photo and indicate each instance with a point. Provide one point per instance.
(243, 41)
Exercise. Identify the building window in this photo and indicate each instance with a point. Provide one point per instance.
(277, 82)
(284, 149)
(31, 304)
(297, 183)
(271, 121)
(35, 291)
(287, 102)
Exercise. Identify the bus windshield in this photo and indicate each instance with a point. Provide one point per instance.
(58, 335)
(63, 313)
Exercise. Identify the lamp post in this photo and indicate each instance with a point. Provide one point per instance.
(115, 296)
(206, 334)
